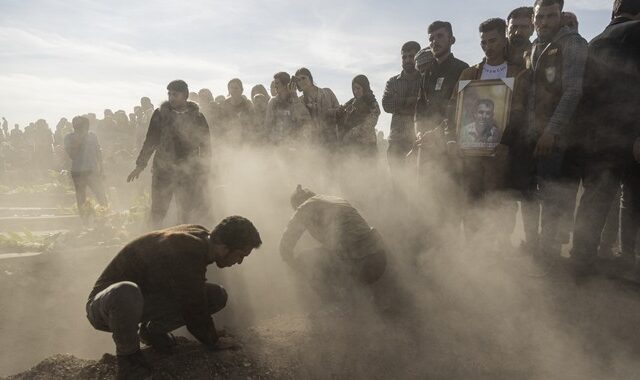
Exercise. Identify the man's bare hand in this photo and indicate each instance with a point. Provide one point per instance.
(636, 150)
(134, 174)
(545, 145)
(224, 345)
(453, 150)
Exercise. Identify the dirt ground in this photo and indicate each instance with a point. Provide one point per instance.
(500, 318)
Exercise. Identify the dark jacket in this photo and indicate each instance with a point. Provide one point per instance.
(610, 109)
(399, 98)
(436, 89)
(181, 142)
(171, 262)
(557, 69)
(357, 125)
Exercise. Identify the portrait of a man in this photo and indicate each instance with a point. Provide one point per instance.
(483, 129)
(482, 113)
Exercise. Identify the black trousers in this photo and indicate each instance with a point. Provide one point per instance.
(190, 193)
(603, 175)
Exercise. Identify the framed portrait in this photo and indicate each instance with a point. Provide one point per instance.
(482, 114)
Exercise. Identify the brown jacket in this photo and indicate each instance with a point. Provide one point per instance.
(171, 262)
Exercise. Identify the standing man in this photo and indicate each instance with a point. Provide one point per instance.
(438, 84)
(179, 136)
(157, 283)
(611, 121)
(146, 109)
(557, 61)
(519, 32)
(399, 98)
(86, 163)
(436, 89)
(483, 177)
(322, 105)
(236, 115)
(286, 115)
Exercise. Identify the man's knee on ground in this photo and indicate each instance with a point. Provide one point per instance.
(216, 298)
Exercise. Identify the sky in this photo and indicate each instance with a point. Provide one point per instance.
(61, 58)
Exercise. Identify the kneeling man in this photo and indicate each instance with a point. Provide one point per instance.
(351, 249)
(157, 283)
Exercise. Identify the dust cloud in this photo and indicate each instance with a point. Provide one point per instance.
(447, 307)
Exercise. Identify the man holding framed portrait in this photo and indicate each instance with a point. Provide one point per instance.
(490, 101)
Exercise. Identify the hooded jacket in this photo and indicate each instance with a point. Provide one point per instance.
(181, 141)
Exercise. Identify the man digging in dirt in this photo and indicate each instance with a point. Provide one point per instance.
(352, 252)
(157, 283)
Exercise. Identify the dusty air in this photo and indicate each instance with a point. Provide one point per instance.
(468, 210)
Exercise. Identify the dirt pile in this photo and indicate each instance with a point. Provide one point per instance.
(189, 361)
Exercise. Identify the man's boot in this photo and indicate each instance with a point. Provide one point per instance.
(132, 367)
(161, 342)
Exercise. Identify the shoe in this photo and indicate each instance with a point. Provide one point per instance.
(161, 342)
(583, 269)
(132, 367)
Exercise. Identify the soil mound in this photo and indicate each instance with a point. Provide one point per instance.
(189, 361)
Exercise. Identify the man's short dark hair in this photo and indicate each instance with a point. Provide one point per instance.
(236, 81)
(546, 3)
(80, 122)
(282, 77)
(236, 232)
(486, 102)
(496, 24)
(439, 25)
(178, 85)
(521, 12)
(631, 7)
(410, 46)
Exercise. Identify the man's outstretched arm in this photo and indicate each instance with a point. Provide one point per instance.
(291, 235)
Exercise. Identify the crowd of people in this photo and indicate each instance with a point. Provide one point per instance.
(572, 123)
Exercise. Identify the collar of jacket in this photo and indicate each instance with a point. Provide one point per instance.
(565, 31)
(447, 60)
(620, 20)
(403, 75)
(192, 107)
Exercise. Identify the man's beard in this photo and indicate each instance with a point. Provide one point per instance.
(409, 68)
(519, 41)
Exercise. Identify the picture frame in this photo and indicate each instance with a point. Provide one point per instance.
(482, 113)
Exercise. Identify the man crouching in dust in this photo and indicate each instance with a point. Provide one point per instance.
(157, 283)
(352, 252)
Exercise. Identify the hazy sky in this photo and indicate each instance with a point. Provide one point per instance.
(67, 57)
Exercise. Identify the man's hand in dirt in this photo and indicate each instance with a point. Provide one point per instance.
(135, 174)
(545, 145)
(636, 150)
(223, 345)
